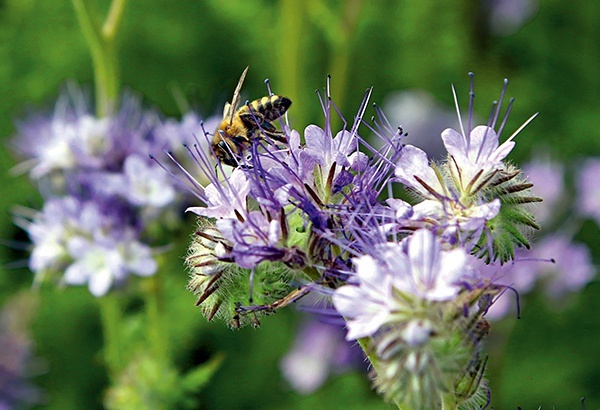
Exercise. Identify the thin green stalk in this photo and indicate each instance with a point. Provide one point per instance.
(110, 312)
(111, 25)
(101, 40)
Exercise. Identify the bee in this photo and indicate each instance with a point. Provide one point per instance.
(240, 126)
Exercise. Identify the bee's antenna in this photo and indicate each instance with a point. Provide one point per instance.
(236, 95)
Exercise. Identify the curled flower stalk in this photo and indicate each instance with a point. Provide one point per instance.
(317, 215)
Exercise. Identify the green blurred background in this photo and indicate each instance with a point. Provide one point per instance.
(189, 54)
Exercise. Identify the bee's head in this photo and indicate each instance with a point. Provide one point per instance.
(224, 152)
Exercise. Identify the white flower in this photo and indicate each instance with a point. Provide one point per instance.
(418, 268)
(413, 164)
(367, 304)
(478, 155)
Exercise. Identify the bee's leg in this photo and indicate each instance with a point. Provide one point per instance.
(291, 297)
(273, 133)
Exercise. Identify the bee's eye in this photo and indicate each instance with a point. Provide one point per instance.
(223, 146)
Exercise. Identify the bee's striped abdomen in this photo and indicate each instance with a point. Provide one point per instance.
(271, 107)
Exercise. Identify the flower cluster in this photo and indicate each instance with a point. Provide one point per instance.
(103, 195)
(319, 215)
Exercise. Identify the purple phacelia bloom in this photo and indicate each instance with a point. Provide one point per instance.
(73, 139)
(572, 268)
(104, 262)
(254, 240)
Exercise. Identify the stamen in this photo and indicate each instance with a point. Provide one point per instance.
(505, 119)
(462, 128)
(268, 86)
(471, 101)
(522, 126)
(502, 93)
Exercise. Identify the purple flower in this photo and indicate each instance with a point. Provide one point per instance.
(444, 203)
(104, 192)
(326, 150)
(414, 171)
(254, 240)
(425, 118)
(477, 155)
(146, 185)
(572, 269)
(473, 190)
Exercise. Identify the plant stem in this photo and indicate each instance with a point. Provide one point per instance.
(112, 23)
(101, 40)
(341, 49)
(291, 19)
(154, 301)
(110, 311)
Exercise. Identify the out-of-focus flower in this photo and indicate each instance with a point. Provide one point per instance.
(16, 360)
(91, 244)
(571, 268)
(424, 117)
(556, 265)
(319, 349)
(547, 178)
(588, 190)
(506, 17)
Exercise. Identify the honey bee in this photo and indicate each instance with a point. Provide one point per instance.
(239, 126)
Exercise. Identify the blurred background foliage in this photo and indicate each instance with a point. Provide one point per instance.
(188, 54)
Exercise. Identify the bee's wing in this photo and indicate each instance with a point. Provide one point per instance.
(236, 96)
(227, 110)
